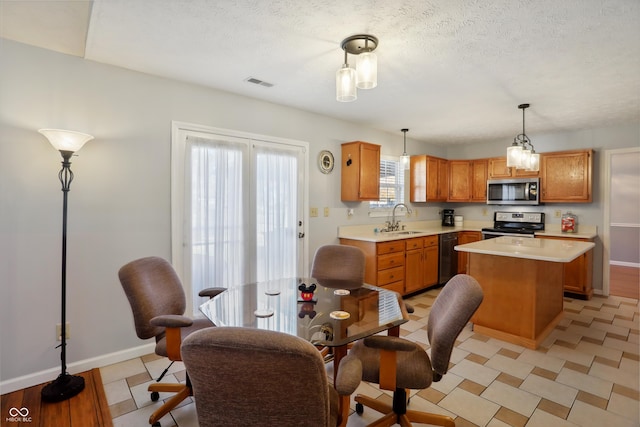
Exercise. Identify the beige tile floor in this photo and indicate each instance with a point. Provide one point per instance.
(586, 373)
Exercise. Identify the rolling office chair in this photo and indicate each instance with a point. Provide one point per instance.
(398, 364)
(157, 300)
(341, 263)
(256, 377)
(339, 266)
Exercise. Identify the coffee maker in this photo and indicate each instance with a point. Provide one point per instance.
(447, 218)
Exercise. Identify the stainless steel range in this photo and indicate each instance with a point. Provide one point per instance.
(523, 224)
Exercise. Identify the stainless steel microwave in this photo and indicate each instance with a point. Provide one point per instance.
(513, 191)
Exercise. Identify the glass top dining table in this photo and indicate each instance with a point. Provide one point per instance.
(329, 313)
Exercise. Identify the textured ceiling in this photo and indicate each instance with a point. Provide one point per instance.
(451, 71)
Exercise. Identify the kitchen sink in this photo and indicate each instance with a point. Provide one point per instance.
(406, 232)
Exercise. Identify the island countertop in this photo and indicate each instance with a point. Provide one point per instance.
(522, 247)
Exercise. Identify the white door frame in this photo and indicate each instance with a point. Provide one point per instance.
(606, 229)
(178, 132)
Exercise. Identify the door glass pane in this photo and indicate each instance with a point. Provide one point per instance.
(276, 213)
(217, 231)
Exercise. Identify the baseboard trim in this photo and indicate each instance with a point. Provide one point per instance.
(47, 375)
(625, 264)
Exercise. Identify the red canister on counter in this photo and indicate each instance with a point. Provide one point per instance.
(569, 223)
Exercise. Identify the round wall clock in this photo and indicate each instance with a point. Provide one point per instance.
(325, 161)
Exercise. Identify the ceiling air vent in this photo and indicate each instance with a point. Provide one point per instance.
(258, 82)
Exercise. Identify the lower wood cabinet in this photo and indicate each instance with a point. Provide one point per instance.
(404, 266)
(466, 237)
(578, 274)
(431, 254)
(384, 263)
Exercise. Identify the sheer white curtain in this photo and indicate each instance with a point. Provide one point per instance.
(216, 245)
(241, 213)
(276, 213)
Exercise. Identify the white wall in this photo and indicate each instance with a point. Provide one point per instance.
(119, 203)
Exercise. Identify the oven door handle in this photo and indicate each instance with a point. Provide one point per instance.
(497, 233)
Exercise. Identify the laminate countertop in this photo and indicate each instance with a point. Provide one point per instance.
(554, 250)
(367, 233)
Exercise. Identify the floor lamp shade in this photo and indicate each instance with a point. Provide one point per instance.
(67, 142)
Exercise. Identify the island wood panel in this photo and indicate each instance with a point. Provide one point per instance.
(523, 298)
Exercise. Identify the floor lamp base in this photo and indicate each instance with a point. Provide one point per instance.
(62, 388)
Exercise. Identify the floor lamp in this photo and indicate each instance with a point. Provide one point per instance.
(67, 142)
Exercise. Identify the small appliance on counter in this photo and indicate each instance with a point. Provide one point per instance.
(458, 220)
(448, 218)
(569, 223)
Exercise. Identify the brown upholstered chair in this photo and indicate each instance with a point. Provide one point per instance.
(158, 303)
(256, 377)
(398, 364)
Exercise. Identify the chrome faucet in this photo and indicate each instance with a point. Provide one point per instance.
(395, 225)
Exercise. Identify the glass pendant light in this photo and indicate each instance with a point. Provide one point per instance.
(346, 83)
(367, 69)
(404, 159)
(365, 75)
(534, 161)
(521, 153)
(514, 154)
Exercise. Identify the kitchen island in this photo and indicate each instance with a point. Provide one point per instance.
(522, 281)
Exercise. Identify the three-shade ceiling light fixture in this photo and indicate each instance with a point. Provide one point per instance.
(365, 74)
(521, 153)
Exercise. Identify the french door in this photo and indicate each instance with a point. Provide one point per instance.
(238, 204)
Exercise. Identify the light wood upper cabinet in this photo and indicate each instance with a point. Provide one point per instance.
(479, 170)
(429, 179)
(565, 176)
(467, 180)
(497, 168)
(360, 171)
(459, 180)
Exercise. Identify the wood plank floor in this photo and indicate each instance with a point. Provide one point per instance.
(87, 409)
(624, 281)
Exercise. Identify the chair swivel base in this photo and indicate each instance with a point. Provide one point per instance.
(182, 392)
(404, 418)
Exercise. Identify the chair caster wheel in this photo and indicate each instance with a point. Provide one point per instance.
(359, 408)
(154, 398)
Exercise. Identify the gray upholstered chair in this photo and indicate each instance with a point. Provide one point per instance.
(256, 377)
(398, 364)
(158, 303)
(341, 263)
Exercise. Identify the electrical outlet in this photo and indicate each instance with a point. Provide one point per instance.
(59, 332)
(326, 211)
(313, 212)
(485, 211)
(558, 214)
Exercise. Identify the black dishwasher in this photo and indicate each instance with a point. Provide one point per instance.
(448, 257)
